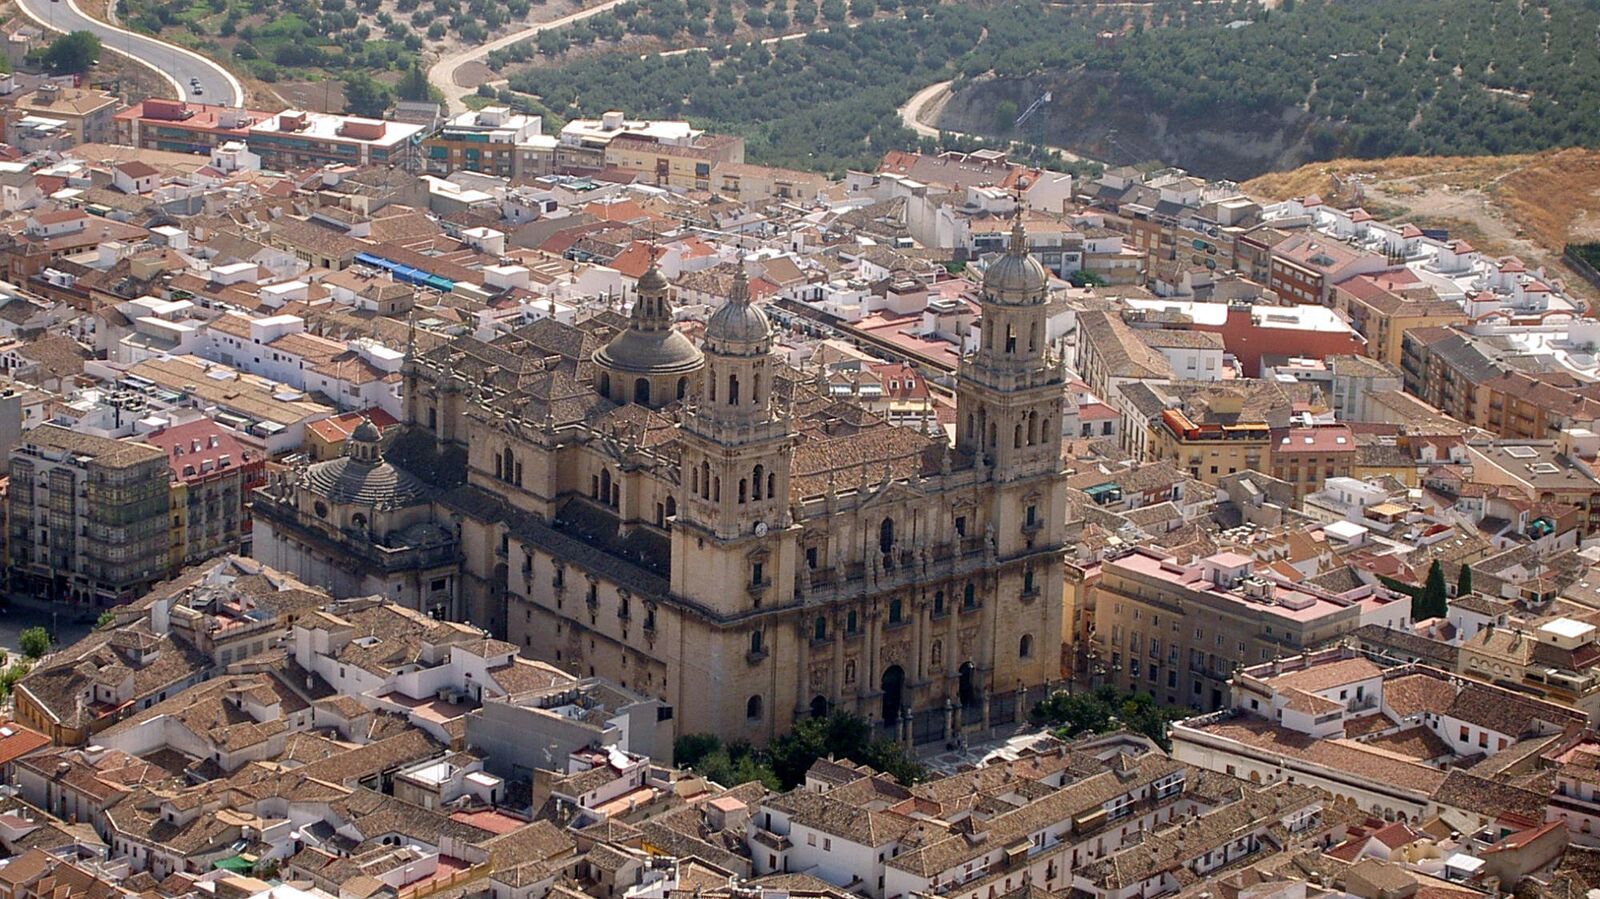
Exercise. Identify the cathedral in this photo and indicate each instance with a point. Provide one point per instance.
(706, 525)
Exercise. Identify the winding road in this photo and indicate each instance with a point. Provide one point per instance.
(443, 73)
(184, 69)
(911, 115)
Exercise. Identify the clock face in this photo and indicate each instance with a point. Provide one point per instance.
(761, 529)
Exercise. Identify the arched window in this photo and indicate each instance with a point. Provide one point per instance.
(819, 630)
(510, 463)
(755, 481)
(1027, 579)
(705, 480)
(1011, 339)
(969, 599)
(605, 385)
(994, 435)
(1016, 438)
(742, 490)
(938, 602)
(672, 506)
(1025, 646)
(896, 611)
(850, 622)
(752, 708)
(1033, 428)
(683, 388)
(755, 642)
(755, 389)
(499, 467)
(358, 521)
(641, 391)
(605, 486)
(733, 390)
(694, 479)
(772, 485)
(716, 490)
(886, 535)
(711, 384)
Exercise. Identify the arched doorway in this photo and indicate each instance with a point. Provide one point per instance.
(819, 707)
(641, 391)
(894, 681)
(969, 684)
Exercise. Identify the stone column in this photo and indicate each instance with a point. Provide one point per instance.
(802, 678)
(919, 614)
(837, 675)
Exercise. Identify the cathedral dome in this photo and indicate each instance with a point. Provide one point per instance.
(649, 352)
(739, 322)
(350, 481)
(362, 477)
(1016, 275)
(650, 345)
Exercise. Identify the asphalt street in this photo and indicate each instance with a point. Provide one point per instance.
(192, 75)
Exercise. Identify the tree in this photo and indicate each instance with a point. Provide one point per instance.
(364, 96)
(106, 619)
(1105, 709)
(73, 53)
(1432, 602)
(1464, 581)
(9, 679)
(414, 84)
(841, 735)
(34, 642)
(1005, 114)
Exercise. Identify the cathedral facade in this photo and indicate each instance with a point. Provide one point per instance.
(705, 525)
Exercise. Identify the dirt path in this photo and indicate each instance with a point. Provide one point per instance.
(443, 73)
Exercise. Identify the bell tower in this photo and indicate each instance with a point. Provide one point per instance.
(1010, 389)
(730, 548)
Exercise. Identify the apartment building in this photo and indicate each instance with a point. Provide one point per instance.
(666, 153)
(85, 112)
(1180, 631)
(492, 140)
(1383, 306)
(1308, 457)
(1214, 447)
(213, 473)
(1395, 741)
(1538, 470)
(1553, 659)
(1306, 266)
(88, 516)
(178, 126)
(299, 139)
(680, 166)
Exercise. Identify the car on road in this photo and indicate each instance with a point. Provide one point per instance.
(198, 91)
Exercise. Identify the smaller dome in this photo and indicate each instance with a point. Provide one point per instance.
(652, 280)
(1016, 276)
(366, 432)
(739, 321)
